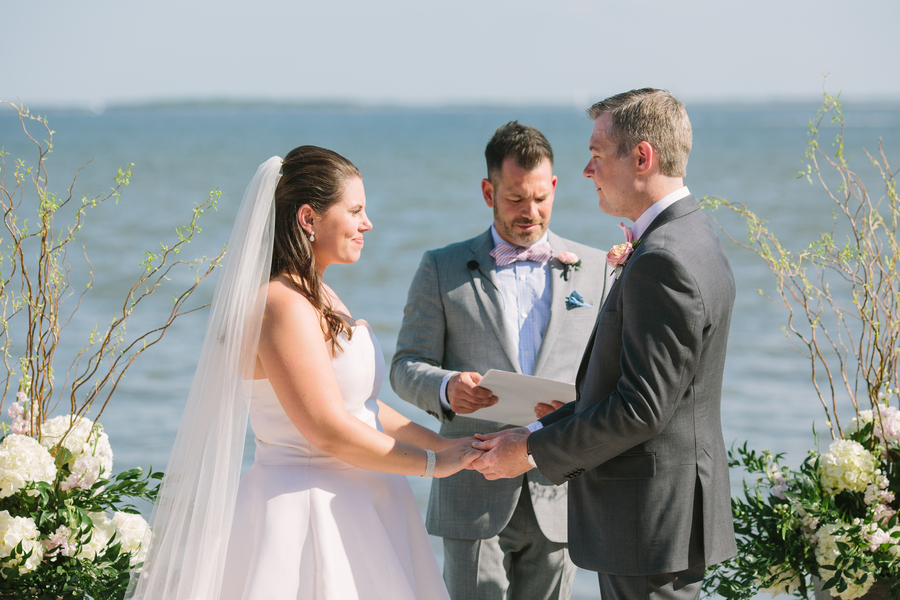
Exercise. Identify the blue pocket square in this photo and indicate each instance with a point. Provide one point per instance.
(575, 301)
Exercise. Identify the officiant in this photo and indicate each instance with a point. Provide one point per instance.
(515, 298)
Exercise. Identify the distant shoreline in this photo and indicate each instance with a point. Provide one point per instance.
(345, 105)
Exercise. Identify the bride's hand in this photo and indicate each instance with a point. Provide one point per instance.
(449, 442)
(454, 458)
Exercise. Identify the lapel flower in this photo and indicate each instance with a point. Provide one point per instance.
(618, 255)
(569, 261)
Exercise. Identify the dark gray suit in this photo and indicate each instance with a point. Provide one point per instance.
(641, 446)
(453, 321)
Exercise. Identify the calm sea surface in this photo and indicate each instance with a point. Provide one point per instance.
(422, 172)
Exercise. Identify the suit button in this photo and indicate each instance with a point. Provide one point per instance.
(573, 474)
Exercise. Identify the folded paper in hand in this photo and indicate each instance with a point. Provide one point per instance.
(518, 394)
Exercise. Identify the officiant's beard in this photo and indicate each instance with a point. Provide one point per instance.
(510, 231)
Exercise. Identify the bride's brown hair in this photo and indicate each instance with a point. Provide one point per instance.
(316, 177)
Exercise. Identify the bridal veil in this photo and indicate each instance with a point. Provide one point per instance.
(192, 518)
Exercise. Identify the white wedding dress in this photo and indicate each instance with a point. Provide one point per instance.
(310, 526)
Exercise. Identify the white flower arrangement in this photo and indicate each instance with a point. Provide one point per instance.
(66, 528)
(15, 531)
(23, 461)
(84, 541)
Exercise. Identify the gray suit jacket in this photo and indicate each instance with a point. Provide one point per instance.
(453, 321)
(642, 444)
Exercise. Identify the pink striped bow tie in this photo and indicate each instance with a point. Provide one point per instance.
(506, 254)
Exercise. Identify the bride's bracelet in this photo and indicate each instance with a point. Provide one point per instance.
(429, 469)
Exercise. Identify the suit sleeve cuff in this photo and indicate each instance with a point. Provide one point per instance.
(444, 402)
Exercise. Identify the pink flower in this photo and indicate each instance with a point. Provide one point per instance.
(15, 411)
(59, 543)
(876, 538)
(21, 418)
(618, 254)
(570, 262)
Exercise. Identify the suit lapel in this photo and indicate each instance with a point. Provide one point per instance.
(679, 209)
(559, 291)
(484, 280)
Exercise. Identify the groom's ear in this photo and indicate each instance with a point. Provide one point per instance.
(645, 158)
(487, 190)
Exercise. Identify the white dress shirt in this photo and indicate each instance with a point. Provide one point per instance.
(525, 288)
(643, 221)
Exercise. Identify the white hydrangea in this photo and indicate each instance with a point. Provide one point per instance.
(846, 466)
(132, 530)
(785, 580)
(16, 530)
(100, 535)
(827, 553)
(887, 423)
(23, 460)
(91, 453)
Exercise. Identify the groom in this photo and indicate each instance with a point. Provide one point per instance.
(641, 446)
(502, 300)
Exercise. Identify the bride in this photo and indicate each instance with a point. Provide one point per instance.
(325, 512)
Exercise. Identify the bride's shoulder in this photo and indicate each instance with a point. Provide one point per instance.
(283, 299)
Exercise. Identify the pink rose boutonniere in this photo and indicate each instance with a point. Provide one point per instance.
(569, 260)
(618, 255)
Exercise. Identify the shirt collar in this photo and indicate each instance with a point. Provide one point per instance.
(643, 222)
(499, 240)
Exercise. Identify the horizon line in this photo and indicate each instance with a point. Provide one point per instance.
(101, 106)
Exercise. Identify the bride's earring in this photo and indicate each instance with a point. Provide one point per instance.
(312, 235)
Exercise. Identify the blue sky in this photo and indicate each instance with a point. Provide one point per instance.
(465, 51)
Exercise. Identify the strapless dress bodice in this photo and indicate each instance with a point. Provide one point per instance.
(359, 372)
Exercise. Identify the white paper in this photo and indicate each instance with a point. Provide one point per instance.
(518, 394)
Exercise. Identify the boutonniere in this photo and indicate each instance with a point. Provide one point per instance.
(569, 261)
(575, 300)
(619, 254)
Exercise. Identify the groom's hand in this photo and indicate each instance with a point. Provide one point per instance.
(464, 395)
(505, 454)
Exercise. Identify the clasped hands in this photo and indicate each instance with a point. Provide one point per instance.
(505, 452)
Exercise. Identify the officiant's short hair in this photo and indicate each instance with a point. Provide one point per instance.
(649, 115)
(526, 144)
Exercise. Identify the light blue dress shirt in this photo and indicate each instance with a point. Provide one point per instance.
(525, 290)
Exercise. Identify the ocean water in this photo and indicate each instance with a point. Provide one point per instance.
(422, 171)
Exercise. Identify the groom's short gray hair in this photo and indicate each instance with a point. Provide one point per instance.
(653, 116)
